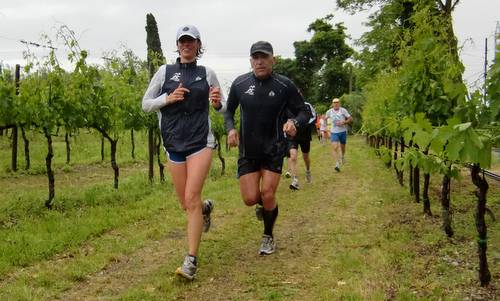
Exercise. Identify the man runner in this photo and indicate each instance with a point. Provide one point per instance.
(303, 140)
(264, 98)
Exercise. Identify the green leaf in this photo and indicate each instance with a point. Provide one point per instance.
(469, 152)
(453, 121)
(422, 138)
(463, 126)
(473, 136)
(484, 154)
(454, 147)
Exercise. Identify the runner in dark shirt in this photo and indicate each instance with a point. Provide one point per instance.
(303, 140)
(263, 98)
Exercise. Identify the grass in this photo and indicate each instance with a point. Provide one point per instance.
(354, 235)
(85, 149)
(495, 162)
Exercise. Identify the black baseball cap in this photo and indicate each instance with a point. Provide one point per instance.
(261, 46)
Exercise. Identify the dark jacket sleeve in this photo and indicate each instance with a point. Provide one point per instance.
(296, 105)
(232, 105)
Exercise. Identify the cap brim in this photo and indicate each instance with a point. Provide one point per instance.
(261, 51)
(187, 34)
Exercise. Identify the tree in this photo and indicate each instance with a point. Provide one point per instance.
(120, 96)
(493, 96)
(8, 105)
(42, 96)
(9, 110)
(218, 129)
(445, 126)
(382, 43)
(155, 59)
(319, 66)
(397, 13)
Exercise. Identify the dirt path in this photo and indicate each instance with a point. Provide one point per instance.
(353, 235)
(323, 230)
(317, 227)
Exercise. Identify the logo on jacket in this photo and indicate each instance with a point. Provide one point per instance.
(197, 78)
(271, 94)
(176, 77)
(250, 90)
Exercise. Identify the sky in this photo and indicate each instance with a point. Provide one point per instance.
(228, 28)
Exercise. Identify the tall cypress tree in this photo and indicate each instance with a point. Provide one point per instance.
(155, 59)
(155, 54)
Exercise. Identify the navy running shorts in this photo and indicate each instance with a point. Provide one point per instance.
(180, 157)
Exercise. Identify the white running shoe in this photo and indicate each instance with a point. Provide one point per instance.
(308, 177)
(268, 246)
(187, 270)
(295, 184)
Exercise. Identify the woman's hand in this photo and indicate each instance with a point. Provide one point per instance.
(215, 97)
(177, 95)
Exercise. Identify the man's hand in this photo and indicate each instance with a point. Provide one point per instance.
(177, 95)
(289, 128)
(233, 138)
(215, 97)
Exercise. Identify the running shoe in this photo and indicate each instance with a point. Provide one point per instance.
(295, 184)
(187, 270)
(267, 246)
(208, 207)
(259, 212)
(308, 177)
(288, 174)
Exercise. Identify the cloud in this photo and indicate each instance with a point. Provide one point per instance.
(228, 27)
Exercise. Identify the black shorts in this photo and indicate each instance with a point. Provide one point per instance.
(305, 146)
(249, 165)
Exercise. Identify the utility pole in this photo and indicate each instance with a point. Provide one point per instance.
(485, 66)
(350, 79)
(14, 128)
(497, 42)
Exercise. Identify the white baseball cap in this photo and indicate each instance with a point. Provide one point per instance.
(188, 30)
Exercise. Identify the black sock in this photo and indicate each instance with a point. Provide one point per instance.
(193, 259)
(269, 219)
(260, 202)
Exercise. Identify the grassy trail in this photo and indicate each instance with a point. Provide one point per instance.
(353, 235)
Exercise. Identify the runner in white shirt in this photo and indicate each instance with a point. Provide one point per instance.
(338, 132)
(322, 128)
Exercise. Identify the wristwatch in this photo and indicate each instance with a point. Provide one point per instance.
(295, 123)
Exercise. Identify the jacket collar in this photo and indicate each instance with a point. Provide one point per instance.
(186, 65)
